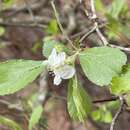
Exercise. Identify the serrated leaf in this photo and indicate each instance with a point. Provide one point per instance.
(16, 74)
(78, 101)
(121, 84)
(9, 123)
(100, 64)
(35, 116)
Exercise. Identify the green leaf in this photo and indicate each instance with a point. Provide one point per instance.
(121, 84)
(116, 28)
(107, 117)
(96, 115)
(7, 3)
(49, 44)
(9, 123)
(100, 64)
(16, 74)
(113, 27)
(102, 114)
(99, 6)
(35, 116)
(78, 101)
(52, 27)
(116, 8)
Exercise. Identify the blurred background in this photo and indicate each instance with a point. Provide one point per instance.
(23, 26)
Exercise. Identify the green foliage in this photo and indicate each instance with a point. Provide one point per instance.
(9, 123)
(78, 101)
(35, 116)
(114, 27)
(16, 74)
(116, 8)
(7, 3)
(117, 16)
(102, 114)
(100, 64)
(113, 105)
(49, 44)
(52, 27)
(99, 6)
(121, 84)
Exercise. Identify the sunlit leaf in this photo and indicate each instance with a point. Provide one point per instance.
(116, 8)
(35, 116)
(102, 114)
(16, 74)
(78, 101)
(99, 6)
(9, 123)
(121, 84)
(100, 64)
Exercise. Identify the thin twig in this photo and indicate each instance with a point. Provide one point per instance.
(88, 31)
(11, 106)
(92, 16)
(71, 24)
(60, 26)
(101, 36)
(93, 9)
(118, 112)
(24, 25)
(103, 100)
(109, 99)
(30, 11)
(87, 34)
(15, 10)
(120, 47)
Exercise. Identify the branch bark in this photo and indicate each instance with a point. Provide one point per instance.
(122, 103)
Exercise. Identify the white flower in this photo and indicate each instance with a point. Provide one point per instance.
(56, 63)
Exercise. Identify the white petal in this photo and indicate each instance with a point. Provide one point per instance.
(66, 72)
(52, 57)
(61, 58)
(69, 73)
(57, 80)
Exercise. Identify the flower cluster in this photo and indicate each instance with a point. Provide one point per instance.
(56, 63)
